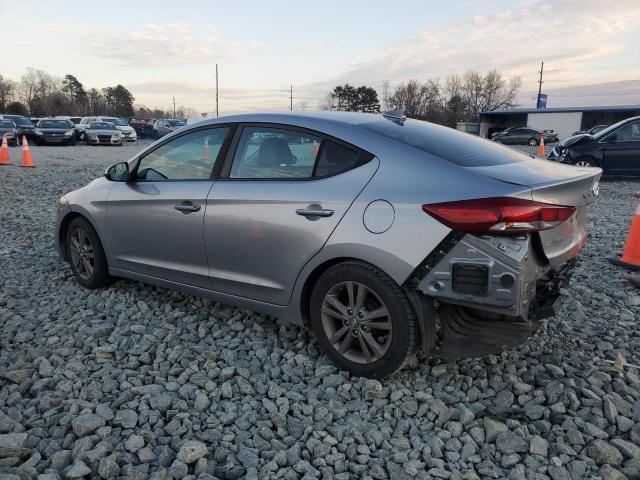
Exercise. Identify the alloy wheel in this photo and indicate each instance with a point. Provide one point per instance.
(82, 253)
(583, 163)
(356, 322)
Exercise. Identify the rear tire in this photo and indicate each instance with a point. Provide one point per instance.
(373, 337)
(86, 255)
(533, 142)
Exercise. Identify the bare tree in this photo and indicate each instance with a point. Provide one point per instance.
(7, 90)
(27, 88)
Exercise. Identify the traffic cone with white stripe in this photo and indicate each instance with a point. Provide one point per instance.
(27, 161)
(4, 152)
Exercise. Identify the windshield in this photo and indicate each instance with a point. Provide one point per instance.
(177, 123)
(116, 121)
(452, 145)
(21, 121)
(102, 126)
(608, 130)
(54, 124)
(6, 124)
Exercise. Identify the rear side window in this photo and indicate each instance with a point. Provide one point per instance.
(335, 158)
(456, 147)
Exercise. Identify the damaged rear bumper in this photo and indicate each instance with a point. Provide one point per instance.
(492, 291)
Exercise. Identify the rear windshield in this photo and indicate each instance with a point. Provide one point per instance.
(6, 124)
(456, 147)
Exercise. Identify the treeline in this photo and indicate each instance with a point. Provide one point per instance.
(458, 98)
(40, 94)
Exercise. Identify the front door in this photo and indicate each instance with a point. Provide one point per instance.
(155, 222)
(281, 195)
(622, 152)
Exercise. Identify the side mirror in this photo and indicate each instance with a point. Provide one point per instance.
(612, 138)
(118, 172)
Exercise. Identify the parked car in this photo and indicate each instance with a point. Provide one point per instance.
(137, 125)
(103, 133)
(615, 149)
(128, 133)
(352, 224)
(54, 131)
(591, 131)
(147, 128)
(74, 122)
(23, 125)
(8, 129)
(164, 126)
(524, 136)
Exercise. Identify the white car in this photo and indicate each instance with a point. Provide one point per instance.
(128, 133)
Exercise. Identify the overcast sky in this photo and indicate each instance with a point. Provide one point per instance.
(161, 48)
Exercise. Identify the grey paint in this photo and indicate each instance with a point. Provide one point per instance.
(247, 246)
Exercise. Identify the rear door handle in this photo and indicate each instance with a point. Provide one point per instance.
(187, 207)
(314, 212)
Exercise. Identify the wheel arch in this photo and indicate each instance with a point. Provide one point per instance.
(62, 231)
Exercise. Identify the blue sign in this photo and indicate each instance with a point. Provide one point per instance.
(542, 100)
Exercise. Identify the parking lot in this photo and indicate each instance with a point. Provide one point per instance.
(113, 382)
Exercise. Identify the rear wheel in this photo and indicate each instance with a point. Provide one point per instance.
(86, 255)
(363, 320)
(533, 142)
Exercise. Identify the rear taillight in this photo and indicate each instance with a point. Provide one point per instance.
(503, 215)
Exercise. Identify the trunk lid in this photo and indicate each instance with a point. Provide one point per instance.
(558, 184)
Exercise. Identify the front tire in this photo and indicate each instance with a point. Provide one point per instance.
(86, 255)
(585, 162)
(363, 320)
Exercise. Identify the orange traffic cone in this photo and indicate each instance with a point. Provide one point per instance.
(27, 161)
(541, 146)
(205, 149)
(4, 152)
(631, 256)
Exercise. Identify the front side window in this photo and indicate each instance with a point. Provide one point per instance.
(265, 152)
(629, 133)
(188, 157)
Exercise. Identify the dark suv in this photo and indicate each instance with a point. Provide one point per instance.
(524, 136)
(615, 149)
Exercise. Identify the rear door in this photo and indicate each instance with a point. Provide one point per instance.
(281, 193)
(155, 222)
(622, 150)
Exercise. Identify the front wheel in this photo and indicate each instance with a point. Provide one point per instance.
(363, 320)
(584, 162)
(86, 255)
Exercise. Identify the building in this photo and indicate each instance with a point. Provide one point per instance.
(564, 121)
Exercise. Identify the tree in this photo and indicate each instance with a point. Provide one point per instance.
(351, 99)
(72, 87)
(7, 89)
(119, 101)
(16, 108)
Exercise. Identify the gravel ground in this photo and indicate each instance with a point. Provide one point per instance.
(141, 382)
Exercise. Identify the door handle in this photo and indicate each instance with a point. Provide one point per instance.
(314, 212)
(187, 207)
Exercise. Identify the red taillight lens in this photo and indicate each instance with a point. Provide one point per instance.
(499, 215)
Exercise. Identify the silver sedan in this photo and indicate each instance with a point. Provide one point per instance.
(363, 227)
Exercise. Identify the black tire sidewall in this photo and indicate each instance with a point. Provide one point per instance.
(402, 345)
(100, 275)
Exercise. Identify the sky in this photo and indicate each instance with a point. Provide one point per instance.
(163, 48)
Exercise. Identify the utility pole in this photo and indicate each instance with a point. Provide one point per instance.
(174, 106)
(385, 94)
(291, 99)
(540, 82)
(217, 112)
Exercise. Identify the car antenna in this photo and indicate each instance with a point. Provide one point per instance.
(397, 115)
